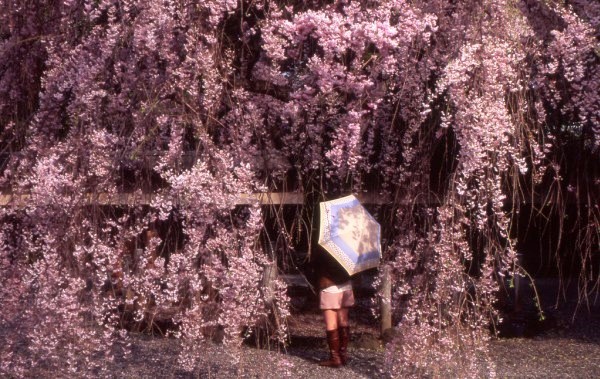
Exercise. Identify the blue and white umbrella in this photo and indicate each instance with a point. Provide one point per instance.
(350, 234)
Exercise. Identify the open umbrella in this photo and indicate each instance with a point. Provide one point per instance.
(350, 234)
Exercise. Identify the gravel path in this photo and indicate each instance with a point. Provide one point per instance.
(568, 348)
(561, 350)
(553, 355)
(568, 351)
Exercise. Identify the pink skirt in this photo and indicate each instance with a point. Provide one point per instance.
(338, 300)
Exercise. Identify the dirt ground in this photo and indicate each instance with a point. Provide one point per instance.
(565, 345)
(572, 351)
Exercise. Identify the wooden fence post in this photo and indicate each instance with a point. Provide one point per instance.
(268, 280)
(386, 301)
(517, 283)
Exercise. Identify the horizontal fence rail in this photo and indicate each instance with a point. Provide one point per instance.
(263, 198)
(136, 198)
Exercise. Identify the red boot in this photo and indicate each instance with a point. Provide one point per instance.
(333, 340)
(344, 333)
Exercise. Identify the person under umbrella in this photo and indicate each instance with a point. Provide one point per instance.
(349, 242)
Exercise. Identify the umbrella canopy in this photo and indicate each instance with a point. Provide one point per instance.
(350, 234)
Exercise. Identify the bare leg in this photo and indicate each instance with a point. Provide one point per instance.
(342, 317)
(331, 319)
(333, 338)
(344, 333)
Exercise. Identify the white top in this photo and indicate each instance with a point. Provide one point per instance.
(337, 288)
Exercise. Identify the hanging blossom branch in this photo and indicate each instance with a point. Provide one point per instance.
(343, 66)
(195, 105)
(125, 83)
